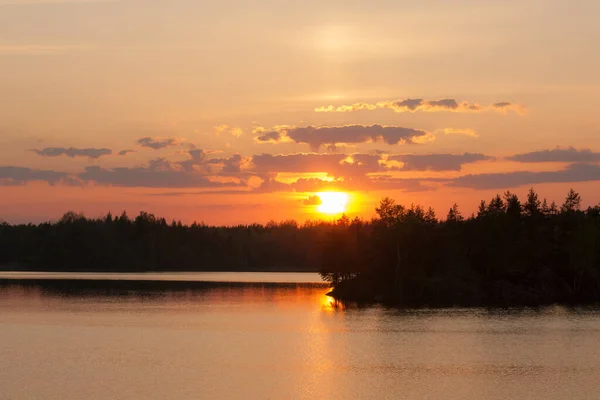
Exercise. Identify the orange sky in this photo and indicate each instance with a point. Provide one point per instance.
(234, 112)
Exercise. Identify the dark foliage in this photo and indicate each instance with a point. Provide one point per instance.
(509, 254)
(147, 243)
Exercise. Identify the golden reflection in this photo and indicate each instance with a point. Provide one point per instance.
(329, 304)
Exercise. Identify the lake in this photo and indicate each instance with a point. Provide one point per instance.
(276, 336)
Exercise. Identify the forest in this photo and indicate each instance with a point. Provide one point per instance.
(150, 244)
(510, 252)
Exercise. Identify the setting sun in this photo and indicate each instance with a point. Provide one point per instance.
(332, 202)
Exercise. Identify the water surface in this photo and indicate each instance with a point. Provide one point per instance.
(281, 341)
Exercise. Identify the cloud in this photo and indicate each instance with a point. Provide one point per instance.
(159, 174)
(198, 158)
(405, 184)
(501, 181)
(459, 131)
(505, 106)
(414, 105)
(333, 164)
(313, 201)
(318, 185)
(198, 171)
(572, 173)
(421, 105)
(199, 162)
(437, 162)
(349, 108)
(335, 135)
(271, 185)
(14, 176)
(276, 134)
(355, 165)
(72, 152)
(158, 143)
(569, 154)
(231, 165)
(125, 152)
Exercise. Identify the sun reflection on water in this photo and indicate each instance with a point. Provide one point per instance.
(329, 304)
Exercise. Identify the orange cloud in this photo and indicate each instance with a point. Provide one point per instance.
(224, 128)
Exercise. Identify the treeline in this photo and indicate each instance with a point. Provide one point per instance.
(509, 253)
(147, 243)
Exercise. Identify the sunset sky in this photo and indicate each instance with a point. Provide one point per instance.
(235, 111)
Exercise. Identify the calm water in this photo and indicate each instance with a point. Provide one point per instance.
(274, 277)
(282, 341)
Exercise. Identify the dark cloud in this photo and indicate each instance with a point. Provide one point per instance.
(72, 152)
(229, 165)
(14, 176)
(506, 106)
(334, 135)
(313, 201)
(404, 184)
(299, 162)
(376, 182)
(200, 162)
(505, 180)
(412, 105)
(437, 162)
(271, 185)
(317, 185)
(198, 159)
(204, 192)
(125, 152)
(557, 155)
(159, 174)
(431, 105)
(158, 143)
(273, 136)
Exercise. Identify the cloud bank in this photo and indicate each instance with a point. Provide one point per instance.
(569, 154)
(572, 173)
(15, 176)
(72, 152)
(437, 162)
(158, 143)
(316, 137)
(422, 105)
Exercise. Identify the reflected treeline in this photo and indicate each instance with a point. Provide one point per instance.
(143, 288)
(509, 253)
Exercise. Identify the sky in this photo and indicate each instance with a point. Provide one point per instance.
(232, 112)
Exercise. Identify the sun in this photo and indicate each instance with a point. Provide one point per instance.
(332, 202)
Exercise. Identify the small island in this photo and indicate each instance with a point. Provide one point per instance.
(510, 253)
